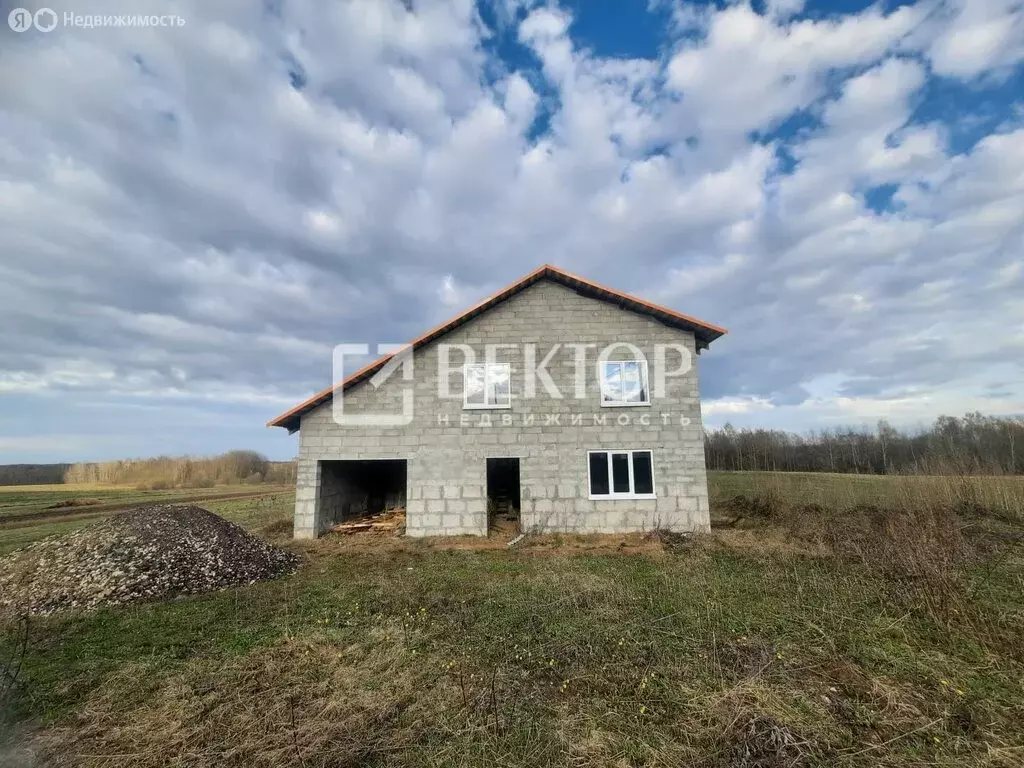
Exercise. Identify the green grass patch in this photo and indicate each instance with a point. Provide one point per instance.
(250, 513)
(21, 500)
(714, 654)
(695, 658)
(16, 500)
(16, 537)
(1003, 493)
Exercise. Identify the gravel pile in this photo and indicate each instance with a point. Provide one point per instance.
(148, 553)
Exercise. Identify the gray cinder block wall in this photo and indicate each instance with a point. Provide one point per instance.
(334, 491)
(446, 446)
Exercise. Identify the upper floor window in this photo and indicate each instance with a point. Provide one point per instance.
(488, 385)
(624, 382)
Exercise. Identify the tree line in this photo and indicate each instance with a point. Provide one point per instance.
(185, 471)
(32, 474)
(972, 444)
(233, 467)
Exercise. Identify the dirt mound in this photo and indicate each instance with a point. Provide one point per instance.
(147, 553)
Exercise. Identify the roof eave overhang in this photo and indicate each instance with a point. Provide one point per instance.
(704, 333)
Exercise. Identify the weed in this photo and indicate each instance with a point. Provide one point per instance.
(802, 639)
(759, 741)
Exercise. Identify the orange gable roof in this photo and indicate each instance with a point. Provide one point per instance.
(704, 332)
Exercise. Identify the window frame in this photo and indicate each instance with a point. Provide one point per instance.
(645, 385)
(466, 405)
(612, 495)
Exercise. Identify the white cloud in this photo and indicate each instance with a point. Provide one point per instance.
(784, 8)
(979, 36)
(702, 276)
(752, 71)
(16, 446)
(731, 406)
(449, 293)
(206, 229)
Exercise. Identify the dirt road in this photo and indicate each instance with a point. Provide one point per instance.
(19, 520)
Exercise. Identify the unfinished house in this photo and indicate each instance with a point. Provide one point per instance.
(557, 404)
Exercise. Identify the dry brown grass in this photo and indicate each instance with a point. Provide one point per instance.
(755, 494)
(305, 701)
(533, 544)
(919, 534)
(66, 487)
(921, 547)
(800, 637)
(73, 503)
(759, 741)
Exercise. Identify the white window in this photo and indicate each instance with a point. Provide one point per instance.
(487, 385)
(624, 382)
(621, 474)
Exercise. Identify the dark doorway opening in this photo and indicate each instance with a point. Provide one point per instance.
(503, 495)
(353, 489)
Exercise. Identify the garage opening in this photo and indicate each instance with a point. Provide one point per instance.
(358, 490)
(503, 495)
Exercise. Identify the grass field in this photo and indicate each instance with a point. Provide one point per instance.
(831, 490)
(20, 500)
(1002, 493)
(16, 499)
(745, 648)
(250, 512)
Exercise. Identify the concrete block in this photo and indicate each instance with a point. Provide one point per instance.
(447, 460)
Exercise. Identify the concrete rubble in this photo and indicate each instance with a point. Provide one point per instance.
(152, 552)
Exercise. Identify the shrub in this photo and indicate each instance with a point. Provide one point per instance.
(919, 549)
(766, 505)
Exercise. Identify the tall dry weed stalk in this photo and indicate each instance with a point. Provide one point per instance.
(11, 664)
(919, 550)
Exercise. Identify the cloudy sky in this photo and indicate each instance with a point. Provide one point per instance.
(192, 216)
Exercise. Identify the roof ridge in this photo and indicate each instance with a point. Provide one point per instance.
(550, 271)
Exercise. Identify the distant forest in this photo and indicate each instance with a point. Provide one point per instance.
(32, 474)
(974, 444)
(230, 468)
